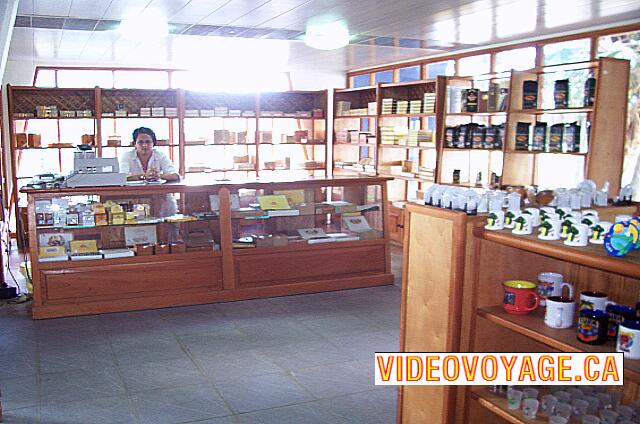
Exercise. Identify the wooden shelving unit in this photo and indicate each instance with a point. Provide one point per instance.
(107, 106)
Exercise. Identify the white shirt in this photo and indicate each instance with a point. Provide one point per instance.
(130, 163)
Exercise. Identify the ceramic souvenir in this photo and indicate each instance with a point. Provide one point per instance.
(566, 225)
(509, 218)
(522, 224)
(598, 231)
(495, 220)
(620, 239)
(578, 235)
(535, 216)
(549, 230)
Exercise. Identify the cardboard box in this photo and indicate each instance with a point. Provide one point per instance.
(33, 140)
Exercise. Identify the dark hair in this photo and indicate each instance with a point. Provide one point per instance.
(144, 130)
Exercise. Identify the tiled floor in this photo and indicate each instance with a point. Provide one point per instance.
(290, 360)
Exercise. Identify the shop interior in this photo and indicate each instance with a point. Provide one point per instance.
(221, 212)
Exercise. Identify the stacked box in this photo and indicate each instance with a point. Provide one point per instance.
(372, 108)
(450, 137)
(415, 107)
(402, 107)
(342, 107)
(387, 106)
(429, 103)
(387, 135)
(477, 137)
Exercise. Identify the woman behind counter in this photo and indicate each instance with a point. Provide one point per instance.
(145, 162)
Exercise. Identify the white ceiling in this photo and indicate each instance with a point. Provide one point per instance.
(442, 25)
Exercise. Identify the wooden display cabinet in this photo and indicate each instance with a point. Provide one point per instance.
(355, 132)
(475, 159)
(451, 302)
(599, 157)
(182, 266)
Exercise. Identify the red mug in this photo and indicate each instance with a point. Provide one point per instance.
(520, 297)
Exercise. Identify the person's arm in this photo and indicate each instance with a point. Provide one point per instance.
(168, 172)
(125, 168)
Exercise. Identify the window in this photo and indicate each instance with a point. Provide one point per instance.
(567, 52)
(447, 67)
(46, 78)
(627, 46)
(474, 65)
(517, 59)
(360, 81)
(85, 78)
(410, 74)
(384, 76)
(141, 79)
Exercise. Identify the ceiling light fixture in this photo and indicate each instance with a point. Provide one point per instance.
(327, 36)
(149, 25)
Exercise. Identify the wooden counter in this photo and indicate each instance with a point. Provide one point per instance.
(68, 288)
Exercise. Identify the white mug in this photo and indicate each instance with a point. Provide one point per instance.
(546, 210)
(535, 216)
(598, 231)
(522, 224)
(549, 230)
(509, 218)
(560, 311)
(629, 339)
(495, 220)
(575, 200)
(594, 300)
(589, 212)
(551, 284)
(562, 211)
(578, 235)
(566, 225)
(513, 202)
(590, 220)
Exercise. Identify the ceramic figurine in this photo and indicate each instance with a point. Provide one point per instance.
(620, 239)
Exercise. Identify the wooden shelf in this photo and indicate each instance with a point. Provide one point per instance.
(138, 117)
(85, 227)
(402, 177)
(498, 405)
(355, 144)
(45, 148)
(551, 111)
(497, 113)
(544, 153)
(292, 144)
(565, 340)
(211, 171)
(104, 146)
(407, 115)
(593, 256)
(407, 83)
(455, 149)
(50, 117)
(463, 184)
(285, 117)
(394, 146)
(354, 116)
(217, 144)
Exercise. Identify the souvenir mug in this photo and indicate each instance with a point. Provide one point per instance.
(578, 235)
(513, 202)
(562, 211)
(593, 300)
(592, 326)
(546, 210)
(509, 218)
(520, 297)
(575, 200)
(617, 315)
(598, 231)
(551, 284)
(535, 215)
(559, 312)
(566, 224)
(590, 220)
(495, 220)
(629, 339)
(522, 224)
(549, 229)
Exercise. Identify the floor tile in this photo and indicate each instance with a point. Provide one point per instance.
(262, 392)
(338, 325)
(76, 356)
(370, 407)
(229, 367)
(307, 413)
(22, 416)
(160, 375)
(76, 385)
(181, 404)
(19, 392)
(306, 354)
(131, 352)
(336, 379)
(110, 410)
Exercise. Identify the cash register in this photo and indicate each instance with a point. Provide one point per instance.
(91, 171)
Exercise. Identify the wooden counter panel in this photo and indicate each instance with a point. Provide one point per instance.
(282, 268)
(109, 281)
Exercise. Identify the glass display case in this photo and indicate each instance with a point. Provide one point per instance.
(108, 249)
